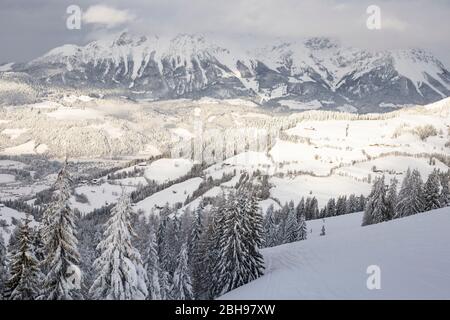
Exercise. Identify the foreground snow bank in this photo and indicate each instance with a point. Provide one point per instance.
(413, 254)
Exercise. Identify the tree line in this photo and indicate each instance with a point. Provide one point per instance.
(195, 255)
(386, 202)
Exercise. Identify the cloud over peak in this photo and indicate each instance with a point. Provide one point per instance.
(106, 16)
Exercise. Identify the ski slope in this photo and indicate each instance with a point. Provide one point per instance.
(413, 255)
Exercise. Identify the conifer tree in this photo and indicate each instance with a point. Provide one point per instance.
(152, 268)
(63, 276)
(24, 281)
(376, 208)
(352, 204)
(165, 286)
(445, 190)
(214, 251)
(432, 192)
(182, 284)
(3, 266)
(270, 228)
(120, 272)
(391, 198)
(292, 228)
(239, 257)
(195, 252)
(255, 237)
(410, 198)
(331, 208)
(301, 209)
(341, 206)
(303, 234)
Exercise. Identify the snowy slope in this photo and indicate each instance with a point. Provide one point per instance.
(7, 215)
(413, 254)
(177, 193)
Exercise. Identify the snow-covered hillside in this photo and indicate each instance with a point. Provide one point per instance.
(412, 253)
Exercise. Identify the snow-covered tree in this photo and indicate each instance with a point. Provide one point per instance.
(445, 190)
(239, 258)
(213, 250)
(182, 284)
(311, 208)
(24, 282)
(270, 228)
(391, 198)
(376, 208)
(303, 234)
(165, 286)
(331, 208)
(120, 271)
(341, 206)
(152, 268)
(249, 203)
(432, 192)
(352, 204)
(362, 203)
(3, 266)
(62, 274)
(292, 228)
(195, 251)
(300, 209)
(410, 198)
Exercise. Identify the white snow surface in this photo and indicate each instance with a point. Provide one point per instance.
(168, 169)
(412, 253)
(174, 194)
(7, 215)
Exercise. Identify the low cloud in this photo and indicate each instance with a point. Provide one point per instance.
(106, 16)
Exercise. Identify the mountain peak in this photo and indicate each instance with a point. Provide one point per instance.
(320, 43)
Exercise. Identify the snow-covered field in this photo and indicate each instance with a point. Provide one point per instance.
(7, 215)
(412, 254)
(176, 193)
(168, 169)
(99, 195)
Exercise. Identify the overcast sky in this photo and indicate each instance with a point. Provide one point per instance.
(29, 28)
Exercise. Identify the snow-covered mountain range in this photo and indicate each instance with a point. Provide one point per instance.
(307, 74)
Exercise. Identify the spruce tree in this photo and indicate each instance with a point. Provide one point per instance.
(213, 256)
(301, 209)
(120, 272)
(255, 237)
(182, 284)
(445, 190)
(391, 198)
(331, 208)
(165, 286)
(239, 258)
(376, 208)
(341, 206)
(24, 281)
(63, 276)
(303, 234)
(152, 268)
(432, 192)
(195, 251)
(410, 198)
(3, 266)
(292, 228)
(270, 228)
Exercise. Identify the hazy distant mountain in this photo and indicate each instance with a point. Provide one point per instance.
(311, 73)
